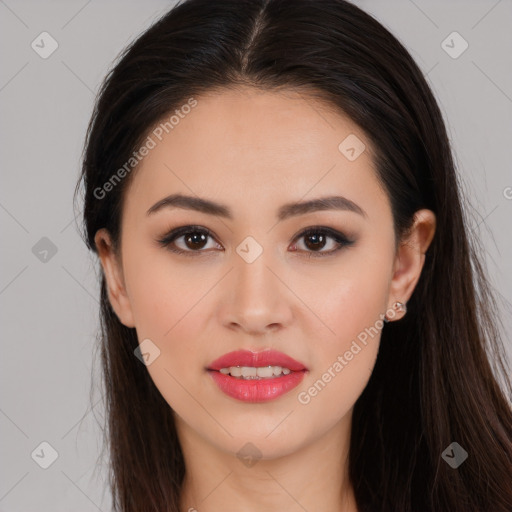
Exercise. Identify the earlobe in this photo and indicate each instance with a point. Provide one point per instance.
(114, 278)
(410, 259)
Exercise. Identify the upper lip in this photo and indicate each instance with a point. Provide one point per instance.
(256, 359)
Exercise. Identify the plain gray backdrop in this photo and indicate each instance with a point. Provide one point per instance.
(48, 282)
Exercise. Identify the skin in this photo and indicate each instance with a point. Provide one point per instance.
(254, 151)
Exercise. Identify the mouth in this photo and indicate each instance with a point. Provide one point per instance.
(256, 360)
(253, 373)
(256, 376)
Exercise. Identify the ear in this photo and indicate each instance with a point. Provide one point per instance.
(112, 269)
(410, 258)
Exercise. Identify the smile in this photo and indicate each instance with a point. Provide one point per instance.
(250, 372)
(256, 376)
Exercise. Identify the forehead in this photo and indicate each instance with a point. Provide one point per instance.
(248, 143)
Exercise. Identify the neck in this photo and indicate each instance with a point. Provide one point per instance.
(312, 477)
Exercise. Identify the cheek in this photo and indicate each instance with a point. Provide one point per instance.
(168, 302)
(161, 293)
(352, 306)
(350, 297)
(166, 312)
(344, 362)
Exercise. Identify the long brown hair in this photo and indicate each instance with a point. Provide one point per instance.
(441, 374)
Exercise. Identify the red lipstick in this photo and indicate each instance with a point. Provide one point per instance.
(256, 359)
(254, 388)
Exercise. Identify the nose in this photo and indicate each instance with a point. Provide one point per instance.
(257, 300)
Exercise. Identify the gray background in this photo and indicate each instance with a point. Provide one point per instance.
(49, 307)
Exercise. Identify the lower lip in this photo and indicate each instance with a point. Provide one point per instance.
(256, 390)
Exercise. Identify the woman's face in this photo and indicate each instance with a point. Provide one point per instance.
(256, 282)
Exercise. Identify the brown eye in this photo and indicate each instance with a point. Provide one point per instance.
(194, 240)
(316, 239)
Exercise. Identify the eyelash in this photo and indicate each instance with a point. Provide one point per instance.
(338, 237)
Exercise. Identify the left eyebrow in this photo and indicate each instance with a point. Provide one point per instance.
(286, 211)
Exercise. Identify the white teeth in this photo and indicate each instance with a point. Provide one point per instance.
(250, 372)
(268, 371)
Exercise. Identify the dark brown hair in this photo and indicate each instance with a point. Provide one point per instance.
(438, 371)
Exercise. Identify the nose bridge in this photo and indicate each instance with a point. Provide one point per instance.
(257, 299)
(253, 279)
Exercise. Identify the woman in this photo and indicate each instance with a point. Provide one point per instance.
(293, 314)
